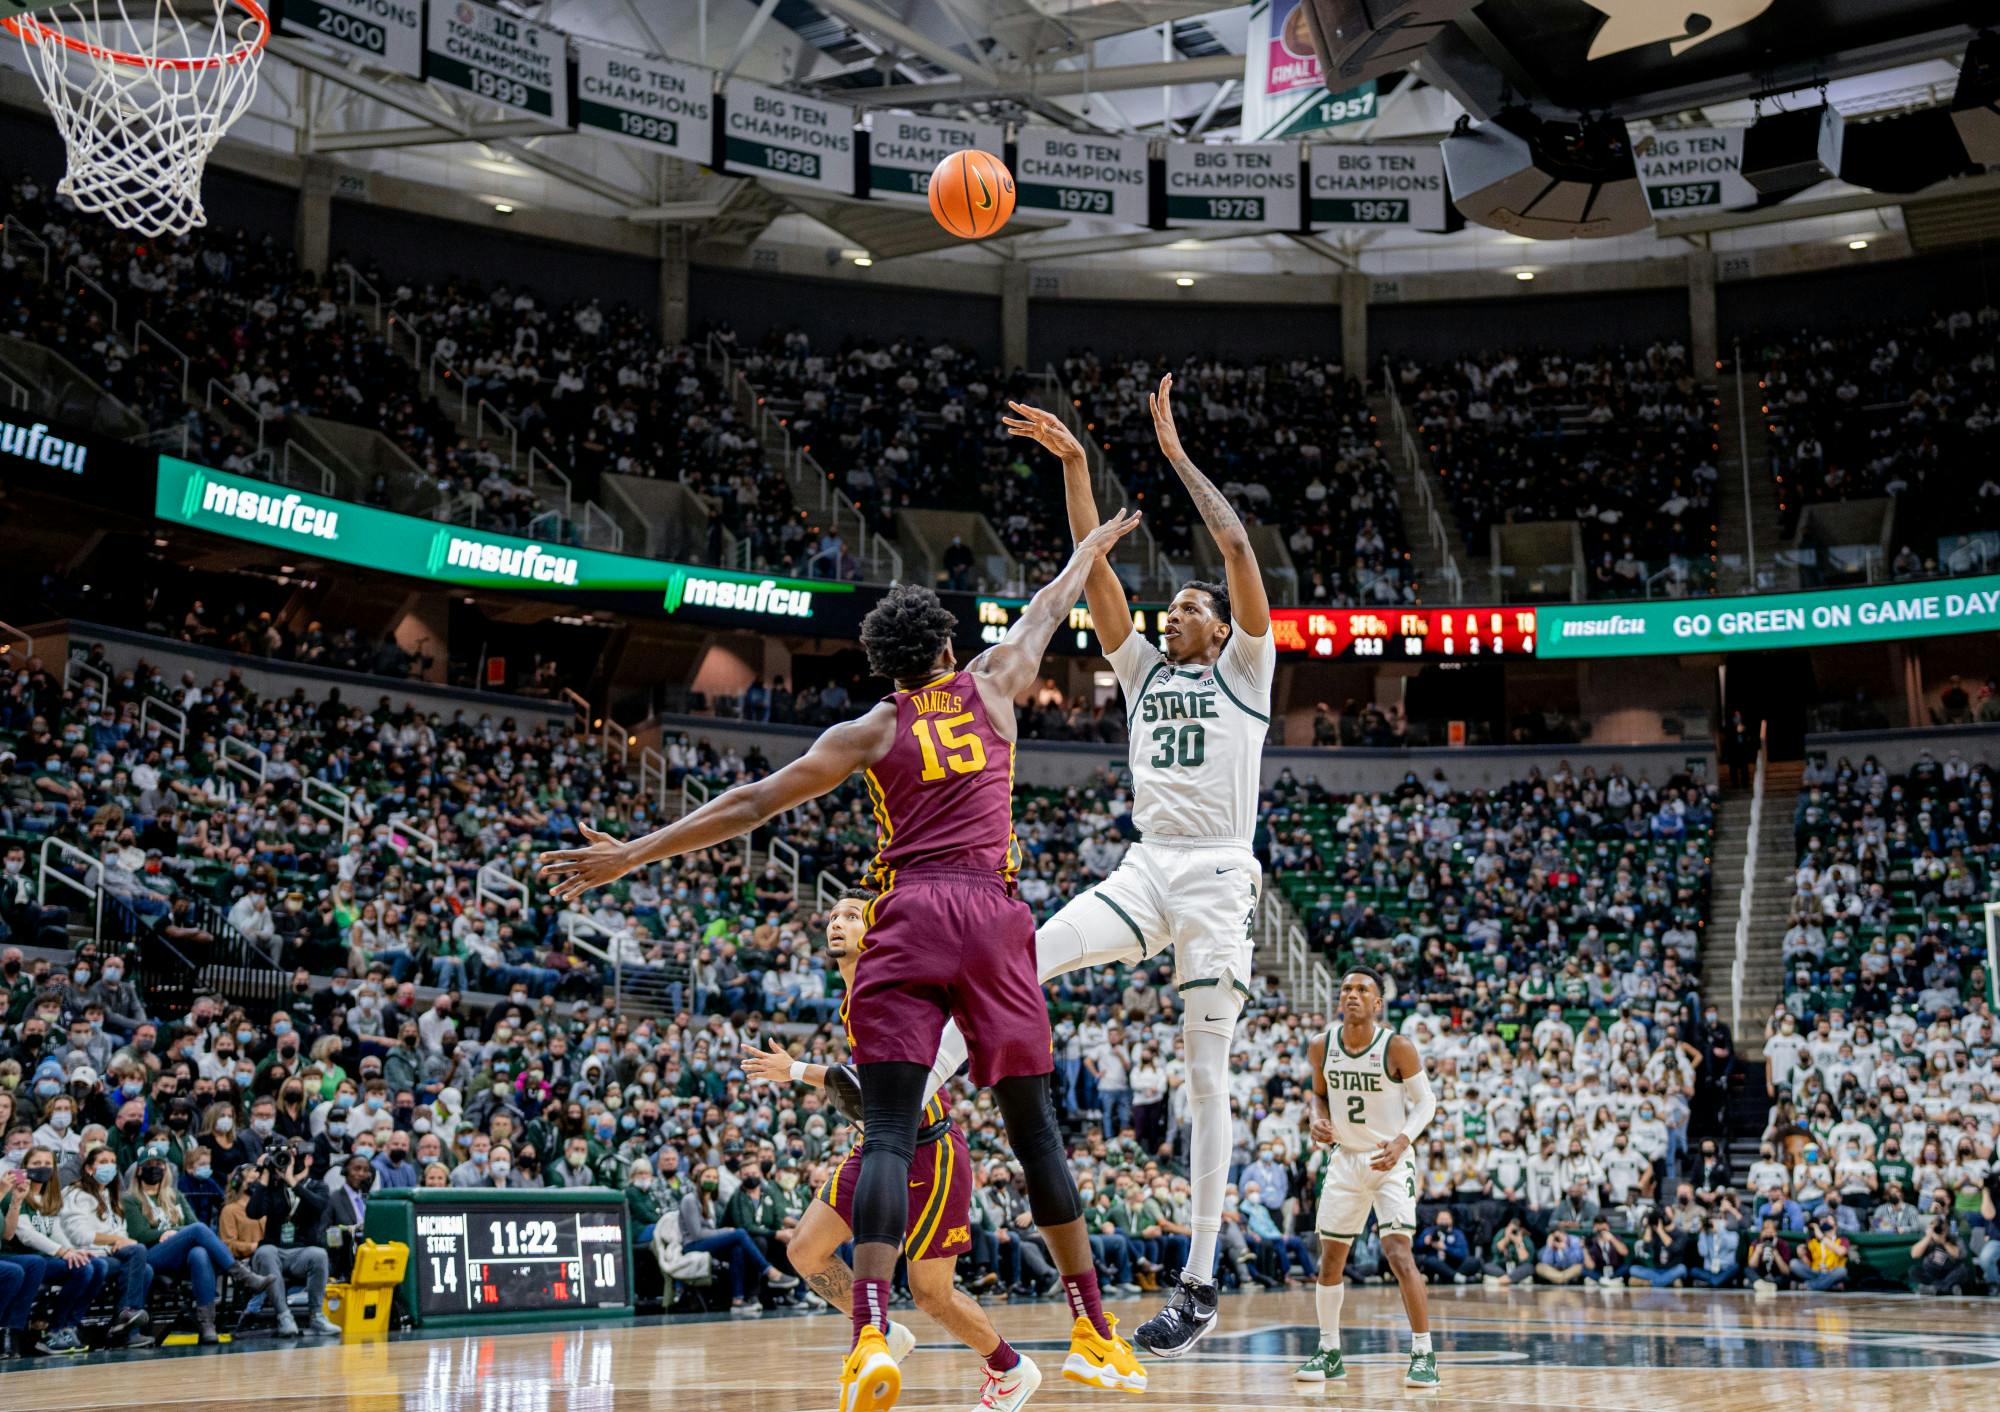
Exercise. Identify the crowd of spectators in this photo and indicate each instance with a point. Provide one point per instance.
(1623, 442)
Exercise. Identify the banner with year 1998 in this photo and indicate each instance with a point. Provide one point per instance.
(390, 33)
(1356, 184)
(645, 100)
(1076, 174)
(492, 55)
(768, 132)
(902, 150)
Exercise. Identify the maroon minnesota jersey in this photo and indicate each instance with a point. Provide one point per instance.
(943, 794)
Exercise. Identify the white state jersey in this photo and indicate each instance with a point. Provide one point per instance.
(1367, 1106)
(1197, 737)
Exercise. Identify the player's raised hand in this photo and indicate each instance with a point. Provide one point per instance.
(574, 871)
(771, 1066)
(1322, 1131)
(1045, 429)
(1389, 1153)
(1100, 540)
(1161, 401)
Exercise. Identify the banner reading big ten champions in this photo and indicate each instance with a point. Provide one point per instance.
(644, 100)
(513, 62)
(776, 134)
(1247, 186)
(1353, 184)
(1693, 169)
(902, 151)
(1079, 175)
(387, 33)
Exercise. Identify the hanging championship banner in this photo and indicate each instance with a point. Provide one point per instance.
(1074, 175)
(1282, 90)
(903, 150)
(513, 62)
(1694, 169)
(648, 101)
(387, 33)
(776, 134)
(1247, 186)
(1354, 184)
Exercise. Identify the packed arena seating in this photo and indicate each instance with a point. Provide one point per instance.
(1904, 410)
(1624, 442)
(1291, 441)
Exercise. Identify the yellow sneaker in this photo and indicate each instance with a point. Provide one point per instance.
(1102, 1362)
(870, 1380)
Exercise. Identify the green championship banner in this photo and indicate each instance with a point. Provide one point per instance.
(1384, 184)
(646, 101)
(388, 34)
(903, 150)
(771, 133)
(1886, 613)
(1077, 175)
(1244, 186)
(492, 55)
(343, 532)
(1693, 169)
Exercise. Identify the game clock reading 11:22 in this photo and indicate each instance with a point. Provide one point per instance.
(489, 1259)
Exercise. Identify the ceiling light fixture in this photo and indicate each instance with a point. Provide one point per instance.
(1184, 281)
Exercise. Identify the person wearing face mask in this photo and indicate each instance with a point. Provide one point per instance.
(93, 1220)
(31, 1217)
(59, 1133)
(702, 1230)
(159, 1218)
(123, 1010)
(283, 1220)
(393, 1168)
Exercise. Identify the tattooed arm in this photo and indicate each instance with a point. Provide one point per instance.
(1249, 606)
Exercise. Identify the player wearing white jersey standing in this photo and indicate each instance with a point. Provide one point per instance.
(1198, 713)
(1370, 1100)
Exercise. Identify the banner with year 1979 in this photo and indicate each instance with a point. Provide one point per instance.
(1080, 174)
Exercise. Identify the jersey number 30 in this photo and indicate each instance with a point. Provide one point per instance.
(965, 754)
(1182, 745)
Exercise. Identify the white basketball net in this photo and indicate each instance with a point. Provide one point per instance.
(138, 134)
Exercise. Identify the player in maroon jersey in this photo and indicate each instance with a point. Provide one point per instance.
(948, 937)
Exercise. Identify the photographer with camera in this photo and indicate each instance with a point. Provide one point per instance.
(1716, 1245)
(288, 1208)
(1822, 1265)
(1655, 1261)
(1512, 1261)
(1939, 1263)
(1769, 1265)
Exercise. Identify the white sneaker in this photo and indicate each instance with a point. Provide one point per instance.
(323, 1327)
(1764, 1287)
(1490, 1281)
(901, 1340)
(1008, 1391)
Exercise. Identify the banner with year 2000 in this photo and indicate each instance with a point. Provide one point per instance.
(495, 56)
(768, 132)
(902, 150)
(1079, 174)
(386, 33)
(645, 100)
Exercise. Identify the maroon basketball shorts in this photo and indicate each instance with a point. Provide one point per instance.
(950, 943)
(940, 1223)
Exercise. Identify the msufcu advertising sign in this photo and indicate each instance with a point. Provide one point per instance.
(63, 460)
(313, 526)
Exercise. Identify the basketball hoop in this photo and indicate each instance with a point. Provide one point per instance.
(142, 90)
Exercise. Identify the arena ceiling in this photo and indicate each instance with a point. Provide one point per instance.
(1155, 67)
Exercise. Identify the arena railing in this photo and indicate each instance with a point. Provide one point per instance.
(434, 852)
(240, 757)
(12, 231)
(1420, 476)
(1740, 965)
(329, 801)
(19, 395)
(74, 667)
(171, 720)
(90, 885)
(144, 334)
(787, 860)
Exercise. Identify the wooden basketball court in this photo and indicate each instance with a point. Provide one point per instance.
(1548, 1351)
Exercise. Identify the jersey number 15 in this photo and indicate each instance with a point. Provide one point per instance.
(965, 754)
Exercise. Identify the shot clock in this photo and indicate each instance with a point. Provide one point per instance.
(478, 1255)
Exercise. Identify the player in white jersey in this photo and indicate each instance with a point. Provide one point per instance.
(1371, 1099)
(1198, 712)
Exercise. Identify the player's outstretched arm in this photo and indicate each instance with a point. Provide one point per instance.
(1249, 605)
(1013, 662)
(774, 1066)
(1109, 608)
(838, 753)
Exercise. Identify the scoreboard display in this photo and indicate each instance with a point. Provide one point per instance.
(481, 1254)
(1406, 634)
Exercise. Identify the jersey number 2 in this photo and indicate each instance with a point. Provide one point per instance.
(1357, 1109)
(1184, 745)
(965, 754)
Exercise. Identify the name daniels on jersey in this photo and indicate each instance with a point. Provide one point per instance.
(1348, 1081)
(942, 702)
(1179, 706)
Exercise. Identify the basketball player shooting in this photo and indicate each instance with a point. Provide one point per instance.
(948, 937)
(1198, 714)
(1370, 1101)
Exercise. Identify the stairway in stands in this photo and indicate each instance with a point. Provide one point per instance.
(1763, 971)
(1749, 517)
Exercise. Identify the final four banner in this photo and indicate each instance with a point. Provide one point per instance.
(493, 55)
(902, 150)
(1247, 186)
(1283, 89)
(645, 101)
(768, 132)
(1078, 174)
(1354, 184)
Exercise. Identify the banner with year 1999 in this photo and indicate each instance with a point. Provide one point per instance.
(768, 132)
(492, 55)
(902, 150)
(389, 33)
(1078, 174)
(645, 100)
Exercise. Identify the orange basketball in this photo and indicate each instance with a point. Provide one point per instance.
(972, 194)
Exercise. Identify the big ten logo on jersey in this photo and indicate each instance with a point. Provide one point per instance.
(942, 733)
